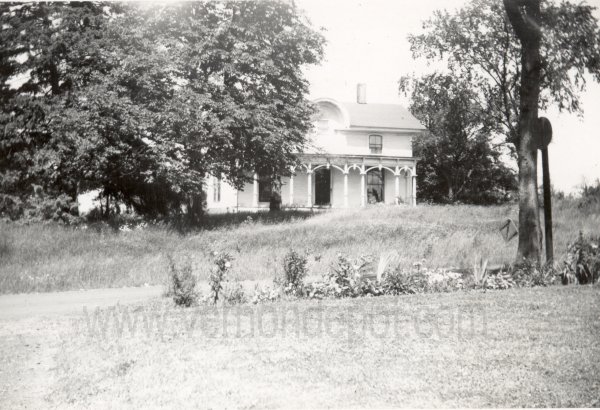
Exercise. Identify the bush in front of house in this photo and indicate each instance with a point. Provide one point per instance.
(583, 261)
(218, 275)
(345, 276)
(233, 294)
(442, 280)
(500, 281)
(267, 294)
(530, 274)
(401, 282)
(182, 284)
(355, 277)
(352, 278)
(294, 272)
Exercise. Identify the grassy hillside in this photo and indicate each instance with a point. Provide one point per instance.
(48, 257)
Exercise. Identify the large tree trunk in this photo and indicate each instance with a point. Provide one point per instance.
(525, 18)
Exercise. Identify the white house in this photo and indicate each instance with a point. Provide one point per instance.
(361, 154)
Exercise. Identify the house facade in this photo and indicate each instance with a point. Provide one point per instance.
(359, 154)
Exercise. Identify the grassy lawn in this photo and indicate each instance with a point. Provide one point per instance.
(521, 347)
(46, 258)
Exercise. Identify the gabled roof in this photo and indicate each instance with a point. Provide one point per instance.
(380, 116)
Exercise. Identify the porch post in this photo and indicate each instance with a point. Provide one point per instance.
(346, 186)
(255, 191)
(292, 187)
(397, 185)
(414, 190)
(309, 188)
(363, 188)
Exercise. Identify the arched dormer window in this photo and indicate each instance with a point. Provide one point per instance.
(323, 126)
(375, 144)
(330, 116)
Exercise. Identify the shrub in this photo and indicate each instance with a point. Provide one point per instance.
(345, 276)
(399, 282)
(440, 280)
(218, 275)
(583, 260)
(318, 290)
(264, 295)
(501, 280)
(234, 294)
(40, 207)
(531, 274)
(590, 194)
(367, 287)
(183, 284)
(294, 271)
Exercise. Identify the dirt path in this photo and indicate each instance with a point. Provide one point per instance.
(28, 305)
(34, 325)
(32, 328)
(64, 303)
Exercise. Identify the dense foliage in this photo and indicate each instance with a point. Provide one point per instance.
(141, 101)
(354, 277)
(582, 264)
(294, 272)
(219, 275)
(478, 46)
(182, 284)
(459, 162)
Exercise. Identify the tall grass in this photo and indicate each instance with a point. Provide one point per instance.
(50, 257)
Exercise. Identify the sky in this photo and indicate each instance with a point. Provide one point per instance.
(367, 43)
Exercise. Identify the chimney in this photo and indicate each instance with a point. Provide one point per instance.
(361, 93)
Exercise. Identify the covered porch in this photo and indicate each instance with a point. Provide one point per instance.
(341, 181)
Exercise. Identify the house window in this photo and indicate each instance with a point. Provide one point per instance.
(323, 126)
(265, 189)
(375, 186)
(217, 189)
(375, 144)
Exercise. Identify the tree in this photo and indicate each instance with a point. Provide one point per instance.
(36, 56)
(526, 19)
(478, 46)
(458, 160)
(144, 101)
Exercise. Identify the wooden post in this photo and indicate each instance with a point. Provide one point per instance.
(346, 170)
(406, 187)
(547, 205)
(414, 190)
(397, 185)
(363, 189)
(255, 191)
(309, 189)
(542, 132)
(291, 190)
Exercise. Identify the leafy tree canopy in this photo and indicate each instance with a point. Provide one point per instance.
(458, 160)
(142, 101)
(478, 45)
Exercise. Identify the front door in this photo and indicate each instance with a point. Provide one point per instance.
(375, 186)
(322, 186)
